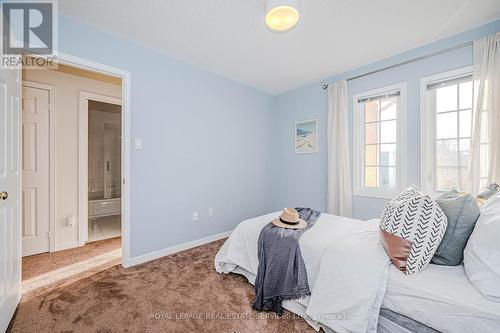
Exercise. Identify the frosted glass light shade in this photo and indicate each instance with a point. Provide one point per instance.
(282, 15)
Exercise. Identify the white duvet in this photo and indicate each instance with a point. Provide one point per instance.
(347, 269)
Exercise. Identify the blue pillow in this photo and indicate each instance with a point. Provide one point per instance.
(462, 213)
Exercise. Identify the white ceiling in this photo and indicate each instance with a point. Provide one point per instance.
(228, 37)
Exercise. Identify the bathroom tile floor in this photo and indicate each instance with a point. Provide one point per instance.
(104, 228)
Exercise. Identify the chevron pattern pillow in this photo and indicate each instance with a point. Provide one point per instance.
(412, 226)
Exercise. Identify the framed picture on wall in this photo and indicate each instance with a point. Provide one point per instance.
(306, 136)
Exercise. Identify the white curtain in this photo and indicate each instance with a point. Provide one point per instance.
(339, 196)
(486, 157)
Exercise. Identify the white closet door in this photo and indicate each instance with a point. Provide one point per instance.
(35, 166)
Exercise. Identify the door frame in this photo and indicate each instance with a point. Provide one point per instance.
(125, 76)
(83, 158)
(52, 157)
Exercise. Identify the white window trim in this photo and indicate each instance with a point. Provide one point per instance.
(428, 128)
(358, 144)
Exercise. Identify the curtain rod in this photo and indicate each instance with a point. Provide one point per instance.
(408, 61)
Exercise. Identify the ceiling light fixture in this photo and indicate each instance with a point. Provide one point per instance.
(282, 15)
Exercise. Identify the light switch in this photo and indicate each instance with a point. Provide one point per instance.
(195, 216)
(138, 143)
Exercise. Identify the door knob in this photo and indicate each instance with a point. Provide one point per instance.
(4, 195)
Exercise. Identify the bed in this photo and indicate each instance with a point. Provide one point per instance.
(441, 297)
(438, 299)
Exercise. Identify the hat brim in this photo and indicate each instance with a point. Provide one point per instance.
(302, 224)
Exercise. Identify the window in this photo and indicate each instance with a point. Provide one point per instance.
(378, 148)
(447, 125)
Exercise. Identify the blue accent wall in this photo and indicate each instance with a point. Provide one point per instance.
(301, 180)
(206, 141)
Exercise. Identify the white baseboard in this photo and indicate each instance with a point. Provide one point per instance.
(67, 245)
(174, 249)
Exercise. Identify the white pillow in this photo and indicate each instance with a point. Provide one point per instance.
(412, 226)
(482, 253)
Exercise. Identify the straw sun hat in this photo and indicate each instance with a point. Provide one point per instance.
(289, 219)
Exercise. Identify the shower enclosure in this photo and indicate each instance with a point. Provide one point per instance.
(104, 178)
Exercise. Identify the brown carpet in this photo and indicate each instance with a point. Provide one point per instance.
(46, 262)
(178, 293)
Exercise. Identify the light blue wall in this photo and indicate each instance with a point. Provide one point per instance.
(205, 141)
(300, 180)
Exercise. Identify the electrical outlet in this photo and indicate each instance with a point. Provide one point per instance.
(70, 220)
(195, 216)
(138, 144)
(210, 212)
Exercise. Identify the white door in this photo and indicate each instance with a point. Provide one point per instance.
(35, 166)
(10, 196)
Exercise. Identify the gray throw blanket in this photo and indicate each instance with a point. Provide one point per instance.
(281, 274)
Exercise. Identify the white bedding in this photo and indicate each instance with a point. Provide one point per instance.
(443, 298)
(346, 269)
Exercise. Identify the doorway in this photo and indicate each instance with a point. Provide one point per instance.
(125, 78)
(104, 168)
(55, 223)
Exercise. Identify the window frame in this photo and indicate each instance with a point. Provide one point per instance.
(359, 188)
(428, 128)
